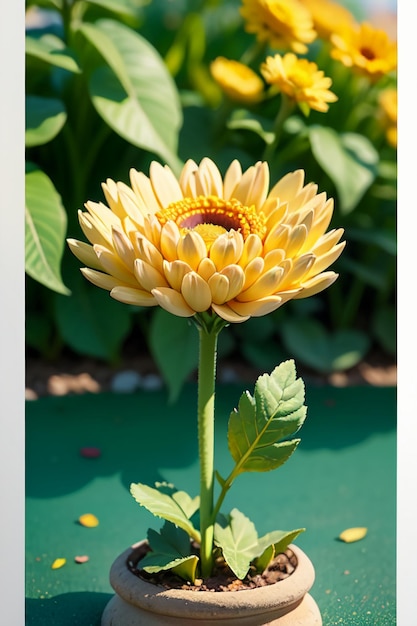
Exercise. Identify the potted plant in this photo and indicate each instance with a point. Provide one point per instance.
(217, 250)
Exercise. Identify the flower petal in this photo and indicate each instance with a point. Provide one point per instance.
(172, 301)
(137, 297)
(147, 276)
(196, 292)
(84, 253)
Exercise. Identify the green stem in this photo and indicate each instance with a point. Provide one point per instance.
(285, 110)
(206, 388)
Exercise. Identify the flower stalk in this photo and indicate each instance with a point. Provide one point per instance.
(206, 394)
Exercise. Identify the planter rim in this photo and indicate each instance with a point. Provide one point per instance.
(283, 593)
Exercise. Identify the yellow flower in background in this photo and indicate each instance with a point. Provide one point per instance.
(389, 106)
(284, 24)
(299, 79)
(207, 243)
(329, 17)
(237, 80)
(367, 50)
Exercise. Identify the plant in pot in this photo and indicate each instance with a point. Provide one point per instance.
(217, 250)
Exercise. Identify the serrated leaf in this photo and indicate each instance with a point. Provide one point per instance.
(169, 336)
(44, 119)
(134, 93)
(52, 50)
(165, 506)
(170, 550)
(45, 229)
(325, 352)
(257, 427)
(349, 159)
(238, 541)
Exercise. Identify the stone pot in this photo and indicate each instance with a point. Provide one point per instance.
(140, 603)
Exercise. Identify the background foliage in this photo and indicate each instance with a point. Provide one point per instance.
(115, 84)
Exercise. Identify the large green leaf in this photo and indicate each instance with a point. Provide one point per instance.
(129, 8)
(258, 426)
(170, 336)
(91, 322)
(170, 549)
(52, 50)
(45, 229)
(349, 159)
(174, 507)
(325, 352)
(44, 119)
(238, 541)
(133, 92)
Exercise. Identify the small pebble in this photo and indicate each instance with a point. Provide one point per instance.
(152, 382)
(126, 381)
(81, 559)
(90, 452)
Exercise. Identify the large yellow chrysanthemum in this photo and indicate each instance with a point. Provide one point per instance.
(329, 17)
(238, 81)
(204, 243)
(299, 79)
(284, 24)
(367, 50)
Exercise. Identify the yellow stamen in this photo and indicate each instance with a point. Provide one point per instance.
(211, 216)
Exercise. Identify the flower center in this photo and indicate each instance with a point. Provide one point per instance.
(368, 53)
(211, 216)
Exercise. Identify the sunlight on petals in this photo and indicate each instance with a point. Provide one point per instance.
(137, 297)
(147, 276)
(84, 253)
(173, 302)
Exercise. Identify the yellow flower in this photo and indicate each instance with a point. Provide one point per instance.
(388, 102)
(329, 17)
(299, 79)
(367, 50)
(237, 80)
(204, 243)
(285, 24)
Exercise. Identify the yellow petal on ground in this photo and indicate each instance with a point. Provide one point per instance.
(58, 563)
(88, 520)
(147, 276)
(84, 253)
(196, 292)
(137, 297)
(353, 534)
(172, 301)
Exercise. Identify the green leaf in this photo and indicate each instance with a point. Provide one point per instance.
(52, 50)
(386, 240)
(242, 120)
(91, 322)
(272, 544)
(170, 550)
(45, 229)
(325, 352)
(259, 424)
(44, 119)
(129, 8)
(134, 93)
(238, 541)
(349, 159)
(169, 336)
(173, 508)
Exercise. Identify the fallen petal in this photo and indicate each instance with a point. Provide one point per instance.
(353, 534)
(90, 452)
(58, 563)
(81, 559)
(89, 520)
